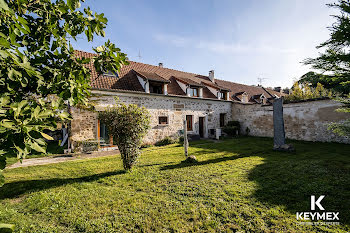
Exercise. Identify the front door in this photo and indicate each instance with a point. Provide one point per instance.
(201, 127)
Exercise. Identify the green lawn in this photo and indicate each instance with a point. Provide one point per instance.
(238, 185)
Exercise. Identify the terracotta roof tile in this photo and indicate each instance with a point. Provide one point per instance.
(152, 76)
(128, 80)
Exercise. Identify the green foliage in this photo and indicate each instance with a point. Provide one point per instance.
(343, 128)
(90, 145)
(39, 72)
(231, 128)
(6, 228)
(165, 141)
(303, 91)
(128, 124)
(334, 63)
(328, 82)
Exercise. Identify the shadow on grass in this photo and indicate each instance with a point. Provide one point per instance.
(14, 189)
(205, 162)
(289, 179)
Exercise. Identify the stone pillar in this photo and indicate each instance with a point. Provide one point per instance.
(165, 89)
(147, 87)
(200, 92)
(278, 124)
(185, 138)
(227, 95)
(206, 127)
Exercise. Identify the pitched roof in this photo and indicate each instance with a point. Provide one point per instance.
(152, 76)
(128, 80)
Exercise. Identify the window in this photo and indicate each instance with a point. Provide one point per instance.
(156, 88)
(110, 74)
(163, 120)
(193, 92)
(222, 119)
(189, 122)
(222, 95)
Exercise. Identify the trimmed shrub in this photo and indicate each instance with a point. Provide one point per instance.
(165, 141)
(232, 128)
(89, 146)
(128, 124)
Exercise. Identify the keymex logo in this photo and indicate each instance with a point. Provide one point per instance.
(331, 218)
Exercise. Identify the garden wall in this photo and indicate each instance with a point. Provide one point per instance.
(303, 121)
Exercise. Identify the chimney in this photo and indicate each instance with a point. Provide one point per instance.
(211, 76)
(160, 65)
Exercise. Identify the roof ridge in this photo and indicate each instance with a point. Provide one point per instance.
(149, 64)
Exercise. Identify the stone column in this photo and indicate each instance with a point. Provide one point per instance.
(278, 124)
(206, 127)
(185, 138)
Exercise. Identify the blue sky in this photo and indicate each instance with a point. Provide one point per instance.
(241, 40)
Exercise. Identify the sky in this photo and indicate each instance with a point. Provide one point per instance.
(242, 40)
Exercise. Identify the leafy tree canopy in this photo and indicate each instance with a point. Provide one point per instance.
(334, 62)
(39, 73)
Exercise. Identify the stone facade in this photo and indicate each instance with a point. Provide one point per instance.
(303, 121)
(84, 125)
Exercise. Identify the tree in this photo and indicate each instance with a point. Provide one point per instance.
(334, 63)
(343, 128)
(128, 124)
(39, 73)
(303, 91)
(297, 93)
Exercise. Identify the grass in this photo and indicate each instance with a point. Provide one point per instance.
(238, 185)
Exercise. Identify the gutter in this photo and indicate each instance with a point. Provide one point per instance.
(154, 94)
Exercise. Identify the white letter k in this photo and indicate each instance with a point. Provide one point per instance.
(318, 202)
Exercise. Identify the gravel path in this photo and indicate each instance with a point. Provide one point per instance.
(60, 158)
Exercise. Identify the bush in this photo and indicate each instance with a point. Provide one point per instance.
(165, 141)
(89, 146)
(146, 145)
(232, 128)
(181, 139)
(128, 124)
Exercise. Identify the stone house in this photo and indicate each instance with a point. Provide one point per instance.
(170, 95)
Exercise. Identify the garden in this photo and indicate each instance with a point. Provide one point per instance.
(238, 184)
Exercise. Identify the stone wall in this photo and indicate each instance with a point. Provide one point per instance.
(84, 125)
(303, 121)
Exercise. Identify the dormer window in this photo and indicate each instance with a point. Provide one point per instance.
(221, 95)
(110, 74)
(192, 92)
(156, 88)
(245, 97)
